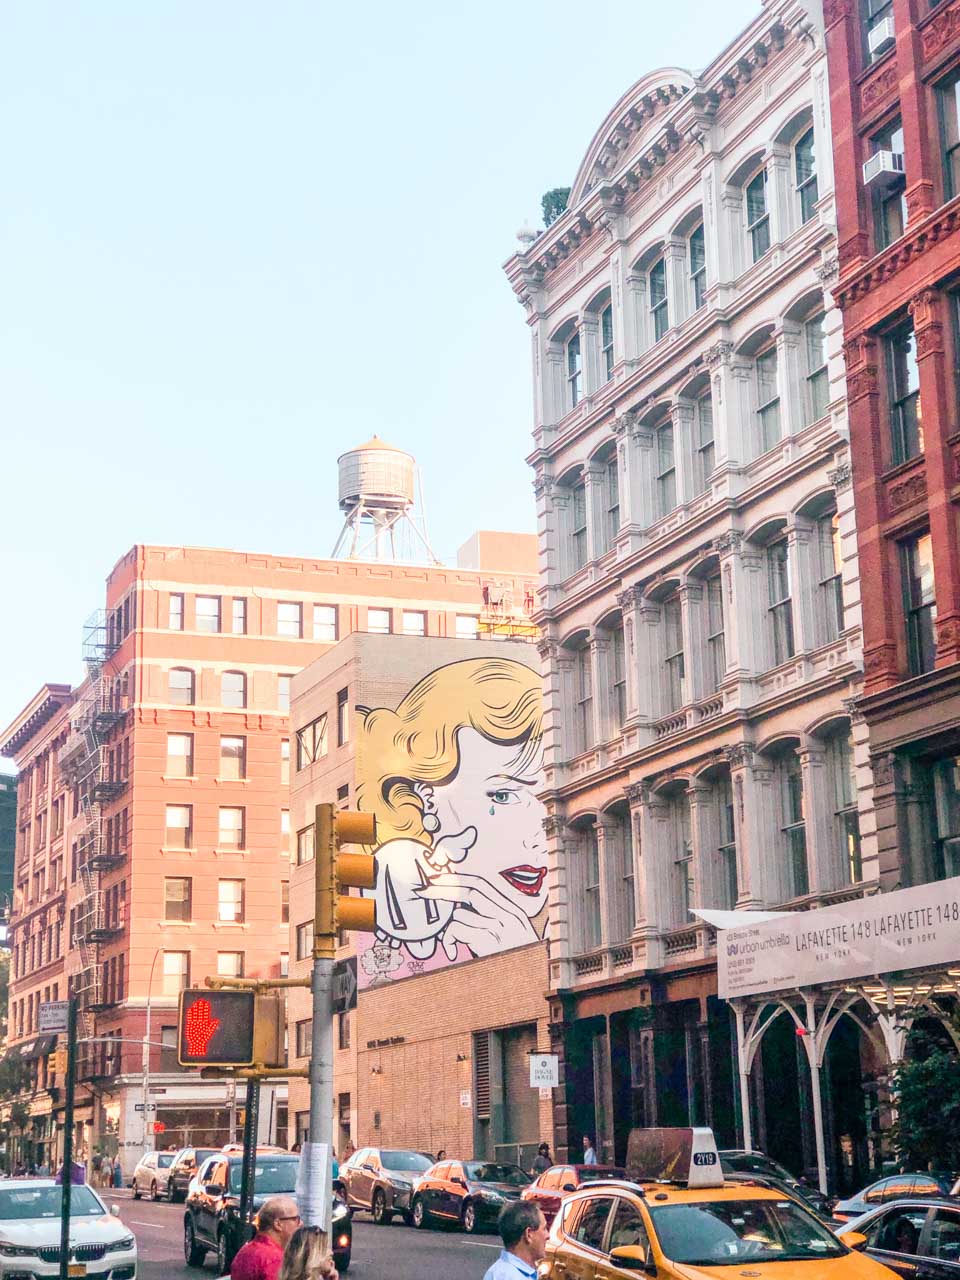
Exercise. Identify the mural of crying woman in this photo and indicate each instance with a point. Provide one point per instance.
(453, 775)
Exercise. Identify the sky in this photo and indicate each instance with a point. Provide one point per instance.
(237, 239)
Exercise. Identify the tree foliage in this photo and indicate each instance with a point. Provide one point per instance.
(926, 1093)
(554, 203)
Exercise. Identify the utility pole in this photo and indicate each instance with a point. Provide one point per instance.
(68, 1137)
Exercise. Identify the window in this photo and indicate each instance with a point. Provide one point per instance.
(831, 580)
(325, 623)
(285, 831)
(175, 614)
(468, 625)
(666, 471)
(584, 708)
(727, 848)
(657, 283)
(178, 898)
(230, 901)
(768, 401)
(758, 218)
(779, 603)
(889, 200)
(305, 940)
(230, 833)
(176, 972)
(208, 613)
(815, 345)
(285, 762)
(874, 12)
(593, 1222)
(284, 901)
(619, 674)
(343, 717)
(233, 689)
(945, 1236)
(178, 832)
(574, 372)
(304, 1038)
(906, 418)
(946, 795)
(611, 490)
(230, 964)
(181, 686)
(180, 755)
(290, 619)
(590, 853)
(284, 964)
(304, 846)
(682, 860)
(378, 622)
(919, 602)
(716, 644)
(283, 692)
(628, 1227)
(238, 620)
(311, 742)
(805, 165)
(233, 758)
(578, 532)
(606, 343)
(343, 793)
(846, 818)
(948, 96)
(793, 827)
(343, 1031)
(673, 653)
(169, 1037)
(706, 451)
(698, 267)
(414, 622)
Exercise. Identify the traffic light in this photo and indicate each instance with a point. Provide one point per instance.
(337, 871)
(216, 1028)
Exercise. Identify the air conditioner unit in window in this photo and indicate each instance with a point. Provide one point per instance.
(883, 169)
(881, 37)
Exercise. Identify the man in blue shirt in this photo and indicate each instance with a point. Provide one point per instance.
(523, 1230)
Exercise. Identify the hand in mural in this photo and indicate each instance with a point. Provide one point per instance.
(484, 919)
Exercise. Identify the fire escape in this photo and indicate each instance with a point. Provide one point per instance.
(91, 768)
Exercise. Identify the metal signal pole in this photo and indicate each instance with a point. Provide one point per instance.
(68, 1137)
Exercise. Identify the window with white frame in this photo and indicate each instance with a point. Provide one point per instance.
(176, 972)
(606, 343)
(179, 755)
(181, 686)
(682, 896)
(290, 619)
(238, 616)
(207, 613)
(175, 613)
(590, 860)
(666, 478)
(178, 826)
(231, 833)
(805, 168)
(378, 622)
(829, 567)
(675, 691)
(903, 384)
(283, 692)
(657, 291)
(312, 742)
(468, 626)
(815, 349)
(233, 758)
(793, 827)
(230, 903)
(627, 889)
(619, 657)
(578, 525)
(846, 817)
(716, 642)
(230, 964)
(233, 689)
(779, 602)
(611, 498)
(574, 365)
(768, 401)
(697, 258)
(325, 623)
(726, 877)
(583, 710)
(758, 215)
(706, 447)
(414, 622)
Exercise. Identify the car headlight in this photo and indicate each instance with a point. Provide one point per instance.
(399, 1185)
(340, 1210)
(493, 1196)
(17, 1250)
(125, 1242)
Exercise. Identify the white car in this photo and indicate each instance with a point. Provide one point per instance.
(152, 1173)
(100, 1245)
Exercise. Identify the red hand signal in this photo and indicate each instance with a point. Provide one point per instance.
(200, 1027)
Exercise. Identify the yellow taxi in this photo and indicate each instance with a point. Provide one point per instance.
(686, 1224)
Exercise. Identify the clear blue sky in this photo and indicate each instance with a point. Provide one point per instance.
(237, 239)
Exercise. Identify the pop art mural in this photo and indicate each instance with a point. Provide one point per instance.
(452, 774)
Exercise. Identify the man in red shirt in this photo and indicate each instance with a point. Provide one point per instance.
(260, 1258)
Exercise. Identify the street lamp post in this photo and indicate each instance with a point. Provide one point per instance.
(146, 1055)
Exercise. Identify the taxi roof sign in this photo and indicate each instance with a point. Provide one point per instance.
(688, 1156)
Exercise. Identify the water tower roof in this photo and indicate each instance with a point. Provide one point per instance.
(376, 443)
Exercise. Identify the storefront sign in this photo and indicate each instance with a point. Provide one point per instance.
(544, 1071)
(872, 936)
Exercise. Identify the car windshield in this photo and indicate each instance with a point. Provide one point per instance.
(511, 1174)
(20, 1203)
(404, 1161)
(165, 1159)
(595, 1172)
(271, 1176)
(731, 1232)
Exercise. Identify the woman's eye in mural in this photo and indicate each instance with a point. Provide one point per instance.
(503, 796)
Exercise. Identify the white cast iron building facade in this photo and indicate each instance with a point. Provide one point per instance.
(699, 590)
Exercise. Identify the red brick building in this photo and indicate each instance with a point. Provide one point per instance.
(894, 69)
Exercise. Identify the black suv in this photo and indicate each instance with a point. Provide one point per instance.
(184, 1169)
(211, 1218)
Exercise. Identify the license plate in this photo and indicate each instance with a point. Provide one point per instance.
(76, 1269)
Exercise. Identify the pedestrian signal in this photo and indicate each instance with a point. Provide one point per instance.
(216, 1028)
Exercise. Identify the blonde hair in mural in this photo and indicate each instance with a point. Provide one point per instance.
(498, 697)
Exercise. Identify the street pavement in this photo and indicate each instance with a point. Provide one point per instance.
(396, 1252)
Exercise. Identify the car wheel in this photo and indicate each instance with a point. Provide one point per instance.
(154, 1191)
(223, 1254)
(136, 1189)
(192, 1252)
(381, 1214)
(421, 1219)
(468, 1218)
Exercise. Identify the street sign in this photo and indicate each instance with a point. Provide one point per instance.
(150, 1106)
(345, 985)
(544, 1071)
(53, 1016)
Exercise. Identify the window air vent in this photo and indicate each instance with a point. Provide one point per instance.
(883, 169)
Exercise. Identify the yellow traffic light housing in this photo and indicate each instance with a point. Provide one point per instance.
(337, 871)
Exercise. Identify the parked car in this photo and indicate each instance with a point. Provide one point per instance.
(549, 1188)
(151, 1174)
(381, 1181)
(30, 1232)
(898, 1187)
(471, 1192)
(186, 1162)
(793, 1188)
(756, 1162)
(914, 1237)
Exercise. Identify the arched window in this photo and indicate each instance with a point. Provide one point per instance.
(681, 858)
(805, 168)
(697, 258)
(767, 400)
(574, 366)
(706, 449)
(233, 689)
(578, 524)
(795, 876)
(181, 685)
(758, 215)
(815, 350)
(606, 343)
(716, 631)
(673, 654)
(666, 469)
(845, 816)
(779, 601)
(657, 290)
(583, 721)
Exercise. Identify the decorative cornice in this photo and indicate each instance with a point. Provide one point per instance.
(718, 354)
(738, 755)
(729, 542)
(841, 476)
(828, 273)
(940, 31)
(911, 244)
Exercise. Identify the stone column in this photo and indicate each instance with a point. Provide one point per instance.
(779, 192)
(700, 796)
(634, 314)
(717, 360)
(744, 587)
(606, 848)
(682, 415)
(559, 932)
(756, 827)
(554, 384)
(691, 605)
(559, 499)
(652, 814)
(743, 440)
(649, 642)
(802, 552)
(675, 260)
(618, 293)
(593, 478)
(791, 382)
(605, 724)
(589, 325)
(733, 230)
(823, 872)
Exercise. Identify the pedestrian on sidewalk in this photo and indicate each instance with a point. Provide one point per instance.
(308, 1256)
(261, 1257)
(542, 1160)
(589, 1155)
(106, 1172)
(523, 1230)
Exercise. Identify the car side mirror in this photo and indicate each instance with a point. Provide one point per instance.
(115, 1210)
(569, 1186)
(458, 1182)
(634, 1257)
(854, 1240)
(213, 1189)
